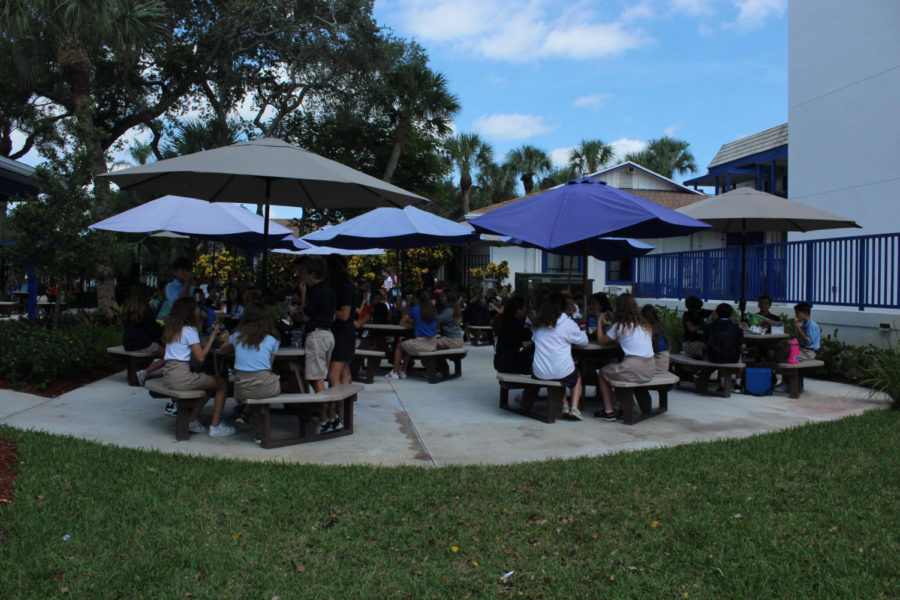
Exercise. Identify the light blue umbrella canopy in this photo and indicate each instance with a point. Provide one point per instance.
(229, 223)
(393, 228)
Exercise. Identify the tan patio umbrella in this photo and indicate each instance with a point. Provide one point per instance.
(265, 171)
(746, 210)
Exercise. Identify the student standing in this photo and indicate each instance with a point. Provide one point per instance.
(318, 303)
(179, 287)
(182, 337)
(554, 335)
(343, 330)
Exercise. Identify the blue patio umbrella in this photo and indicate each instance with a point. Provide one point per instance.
(583, 209)
(221, 222)
(393, 228)
(600, 248)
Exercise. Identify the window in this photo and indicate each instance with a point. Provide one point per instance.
(619, 271)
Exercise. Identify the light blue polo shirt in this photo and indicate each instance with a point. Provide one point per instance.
(252, 359)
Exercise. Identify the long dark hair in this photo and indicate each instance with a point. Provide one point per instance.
(184, 314)
(228, 303)
(429, 312)
(512, 306)
(550, 309)
(652, 317)
(255, 325)
(453, 301)
(337, 271)
(136, 305)
(627, 314)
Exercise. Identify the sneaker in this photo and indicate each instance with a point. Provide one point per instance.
(141, 377)
(402, 374)
(395, 375)
(782, 387)
(196, 426)
(564, 411)
(602, 415)
(575, 414)
(172, 408)
(258, 439)
(242, 418)
(223, 429)
(324, 427)
(336, 424)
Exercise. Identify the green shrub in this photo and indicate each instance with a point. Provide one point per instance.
(31, 351)
(670, 319)
(883, 375)
(845, 362)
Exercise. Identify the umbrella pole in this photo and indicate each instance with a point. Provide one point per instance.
(584, 283)
(569, 278)
(265, 252)
(742, 304)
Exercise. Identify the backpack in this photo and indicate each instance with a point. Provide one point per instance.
(758, 381)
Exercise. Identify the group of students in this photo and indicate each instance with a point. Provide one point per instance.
(437, 325)
(539, 342)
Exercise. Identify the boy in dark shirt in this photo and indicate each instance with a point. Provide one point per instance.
(692, 320)
(319, 304)
(724, 338)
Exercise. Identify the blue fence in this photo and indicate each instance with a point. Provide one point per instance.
(862, 271)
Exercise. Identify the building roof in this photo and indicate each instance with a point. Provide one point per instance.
(16, 178)
(628, 163)
(752, 144)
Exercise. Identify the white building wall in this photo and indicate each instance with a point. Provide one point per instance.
(844, 111)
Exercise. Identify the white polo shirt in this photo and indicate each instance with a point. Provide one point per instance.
(180, 349)
(553, 348)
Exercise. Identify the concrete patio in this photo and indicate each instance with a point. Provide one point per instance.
(410, 422)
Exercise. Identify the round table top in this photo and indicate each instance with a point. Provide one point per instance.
(593, 346)
(763, 337)
(387, 327)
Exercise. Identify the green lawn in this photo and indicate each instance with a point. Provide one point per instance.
(809, 512)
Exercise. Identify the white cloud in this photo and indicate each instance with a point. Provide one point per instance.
(752, 14)
(593, 102)
(560, 156)
(521, 30)
(636, 12)
(694, 8)
(624, 146)
(511, 127)
(671, 129)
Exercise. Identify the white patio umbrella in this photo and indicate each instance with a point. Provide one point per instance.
(265, 171)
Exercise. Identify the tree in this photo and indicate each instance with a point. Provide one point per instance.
(417, 97)
(496, 182)
(559, 176)
(589, 156)
(665, 156)
(528, 162)
(467, 152)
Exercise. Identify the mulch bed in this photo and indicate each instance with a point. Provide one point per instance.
(7, 473)
(63, 385)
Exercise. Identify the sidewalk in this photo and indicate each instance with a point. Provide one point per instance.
(411, 422)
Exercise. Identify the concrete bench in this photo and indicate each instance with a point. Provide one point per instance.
(136, 361)
(436, 362)
(187, 401)
(704, 369)
(307, 419)
(481, 334)
(792, 374)
(531, 386)
(627, 392)
(372, 360)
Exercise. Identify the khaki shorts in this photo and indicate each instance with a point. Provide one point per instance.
(634, 369)
(177, 375)
(319, 345)
(419, 344)
(661, 359)
(447, 343)
(693, 349)
(806, 354)
(255, 384)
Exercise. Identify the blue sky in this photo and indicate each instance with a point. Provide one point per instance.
(550, 73)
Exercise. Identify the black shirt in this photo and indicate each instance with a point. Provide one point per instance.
(138, 336)
(509, 358)
(346, 296)
(321, 303)
(697, 319)
(724, 338)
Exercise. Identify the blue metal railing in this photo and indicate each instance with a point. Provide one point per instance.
(860, 271)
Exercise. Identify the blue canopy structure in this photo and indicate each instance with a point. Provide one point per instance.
(599, 248)
(583, 209)
(222, 222)
(393, 228)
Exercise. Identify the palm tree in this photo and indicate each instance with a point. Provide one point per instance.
(467, 151)
(418, 98)
(559, 175)
(665, 156)
(590, 155)
(194, 135)
(497, 180)
(528, 162)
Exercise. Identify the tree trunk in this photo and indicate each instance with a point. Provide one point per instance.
(527, 183)
(400, 142)
(465, 200)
